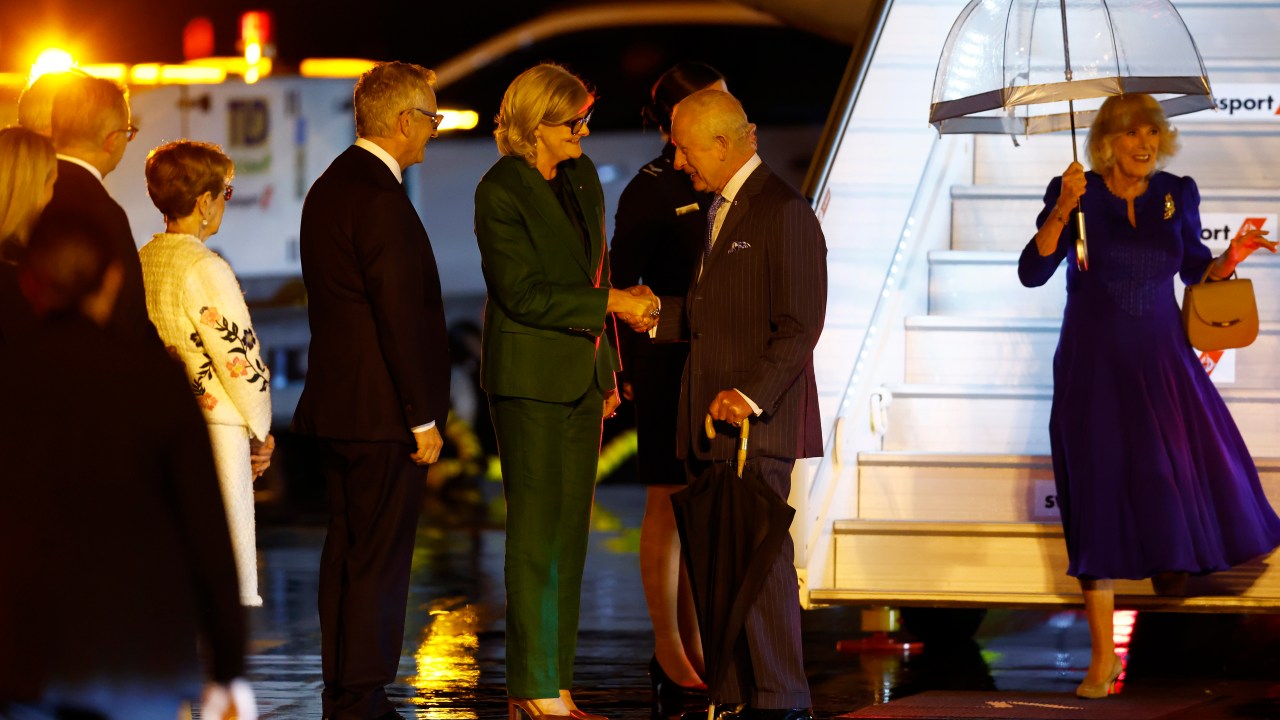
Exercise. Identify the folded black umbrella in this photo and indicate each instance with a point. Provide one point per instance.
(732, 526)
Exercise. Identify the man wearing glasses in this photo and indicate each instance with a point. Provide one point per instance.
(377, 388)
(91, 129)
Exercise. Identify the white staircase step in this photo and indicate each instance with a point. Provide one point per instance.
(1224, 154)
(945, 350)
(1003, 217)
(972, 487)
(985, 284)
(942, 350)
(1004, 564)
(1015, 420)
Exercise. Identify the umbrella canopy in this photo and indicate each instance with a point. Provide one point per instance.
(732, 527)
(1016, 66)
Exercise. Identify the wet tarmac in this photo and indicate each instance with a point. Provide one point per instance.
(452, 665)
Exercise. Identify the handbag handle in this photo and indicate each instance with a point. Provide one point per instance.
(1205, 277)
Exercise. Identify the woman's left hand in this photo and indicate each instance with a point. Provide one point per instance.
(260, 454)
(1243, 245)
(611, 403)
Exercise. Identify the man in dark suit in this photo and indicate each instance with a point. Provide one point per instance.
(377, 388)
(752, 317)
(91, 128)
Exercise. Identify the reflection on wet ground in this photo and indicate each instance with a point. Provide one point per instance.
(452, 666)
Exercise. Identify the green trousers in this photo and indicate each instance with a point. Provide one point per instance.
(549, 453)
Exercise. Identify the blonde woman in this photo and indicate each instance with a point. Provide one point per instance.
(546, 369)
(197, 307)
(28, 170)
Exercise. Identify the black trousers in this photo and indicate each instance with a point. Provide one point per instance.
(770, 673)
(375, 493)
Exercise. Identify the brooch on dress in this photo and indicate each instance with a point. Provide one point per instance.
(1168, 206)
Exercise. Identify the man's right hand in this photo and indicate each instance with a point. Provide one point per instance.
(636, 306)
(429, 445)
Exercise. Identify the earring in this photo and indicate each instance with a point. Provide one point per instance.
(204, 222)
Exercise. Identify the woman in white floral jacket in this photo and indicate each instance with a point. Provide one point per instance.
(199, 310)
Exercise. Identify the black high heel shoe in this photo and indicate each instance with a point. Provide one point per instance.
(671, 698)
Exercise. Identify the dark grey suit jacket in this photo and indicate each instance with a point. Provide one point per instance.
(77, 192)
(752, 320)
(379, 359)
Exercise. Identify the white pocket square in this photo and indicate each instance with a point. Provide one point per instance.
(739, 245)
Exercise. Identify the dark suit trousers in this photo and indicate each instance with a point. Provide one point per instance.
(375, 492)
(549, 453)
(770, 674)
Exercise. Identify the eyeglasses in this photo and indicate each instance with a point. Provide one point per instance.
(130, 131)
(435, 117)
(575, 126)
(227, 191)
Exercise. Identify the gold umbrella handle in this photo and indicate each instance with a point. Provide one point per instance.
(709, 426)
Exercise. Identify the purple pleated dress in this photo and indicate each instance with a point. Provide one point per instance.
(1152, 474)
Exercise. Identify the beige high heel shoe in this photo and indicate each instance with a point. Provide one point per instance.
(574, 712)
(1096, 691)
(518, 707)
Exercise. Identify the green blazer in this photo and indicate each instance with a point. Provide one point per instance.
(545, 315)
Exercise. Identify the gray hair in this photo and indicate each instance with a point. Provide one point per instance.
(386, 90)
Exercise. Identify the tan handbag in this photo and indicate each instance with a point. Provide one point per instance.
(1220, 315)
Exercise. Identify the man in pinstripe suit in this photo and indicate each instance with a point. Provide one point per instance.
(752, 318)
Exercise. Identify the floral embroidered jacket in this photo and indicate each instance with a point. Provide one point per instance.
(199, 310)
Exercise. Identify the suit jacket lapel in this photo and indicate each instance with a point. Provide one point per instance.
(544, 199)
(737, 211)
(590, 213)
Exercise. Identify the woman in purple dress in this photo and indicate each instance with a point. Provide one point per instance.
(1153, 477)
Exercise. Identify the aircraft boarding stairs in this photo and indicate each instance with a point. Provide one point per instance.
(938, 488)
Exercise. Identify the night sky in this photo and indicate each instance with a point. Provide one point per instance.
(133, 31)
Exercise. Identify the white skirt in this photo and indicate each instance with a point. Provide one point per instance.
(235, 476)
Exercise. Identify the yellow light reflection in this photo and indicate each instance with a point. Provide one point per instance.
(252, 53)
(191, 74)
(145, 74)
(110, 71)
(334, 67)
(50, 61)
(459, 119)
(446, 660)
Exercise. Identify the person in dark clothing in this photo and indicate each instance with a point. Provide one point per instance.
(659, 233)
(28, 170)
(117, 552)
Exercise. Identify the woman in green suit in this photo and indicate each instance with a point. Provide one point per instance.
(547, 369)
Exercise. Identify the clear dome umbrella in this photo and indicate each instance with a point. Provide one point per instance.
(1019, 67)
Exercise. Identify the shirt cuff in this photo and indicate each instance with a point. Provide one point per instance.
(428, 426)
(755, 409)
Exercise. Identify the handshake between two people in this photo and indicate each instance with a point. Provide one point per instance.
(636, 306)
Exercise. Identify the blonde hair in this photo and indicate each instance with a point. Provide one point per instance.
(1120, 114)
(545, 93)
(386, 90)
(178, 173)
(26, 162)
(86, 110)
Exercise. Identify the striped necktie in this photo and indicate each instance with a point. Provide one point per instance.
(711, 223)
